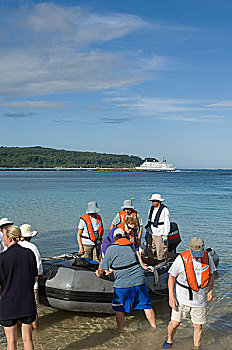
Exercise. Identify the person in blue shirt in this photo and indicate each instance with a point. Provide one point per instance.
(130, 290)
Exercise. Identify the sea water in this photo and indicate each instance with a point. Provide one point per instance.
(200, 201)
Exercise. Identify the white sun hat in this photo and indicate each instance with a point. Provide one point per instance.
(156, 197)
(5, 221)
(92, 208)
(26, 231)
(128, 204)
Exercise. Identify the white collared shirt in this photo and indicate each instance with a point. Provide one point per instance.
(161, 230)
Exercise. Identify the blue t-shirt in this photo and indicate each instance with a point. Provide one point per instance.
(118, 256)
(18, 270)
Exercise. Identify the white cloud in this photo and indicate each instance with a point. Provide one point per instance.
(221, 104)
(80, 25)
(53, 49)
(198, 119)
(153, 106)
(62, 120)
(34, 105)
(165, 108)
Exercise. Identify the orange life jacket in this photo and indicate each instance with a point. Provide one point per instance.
(122, 215)
(188, 265)
(87, 220)
(123, 241)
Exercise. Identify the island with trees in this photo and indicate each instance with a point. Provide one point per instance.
(41, 157)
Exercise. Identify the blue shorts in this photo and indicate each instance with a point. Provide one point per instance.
(126, 299)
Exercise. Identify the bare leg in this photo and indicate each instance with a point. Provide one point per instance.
(197, 334)
(120, 320)
(150, 315)
(35, 323)
(172, 327)
(11, 336)
(27, 336)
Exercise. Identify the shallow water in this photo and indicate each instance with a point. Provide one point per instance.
(199, 201)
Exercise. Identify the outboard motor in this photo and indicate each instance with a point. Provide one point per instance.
(173, 237)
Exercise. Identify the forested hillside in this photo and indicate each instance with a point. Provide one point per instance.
(40, 157)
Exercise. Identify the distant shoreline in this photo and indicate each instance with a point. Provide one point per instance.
(109, 169)
(83, 169)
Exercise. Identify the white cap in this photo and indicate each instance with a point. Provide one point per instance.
(26, 231)
(5, 221)
(156, 197)
(119, 231)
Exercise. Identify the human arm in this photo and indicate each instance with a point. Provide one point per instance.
(141, 261)
(81, 249)
(99, 272)
(105, 264)
(140, 235)
(211, 283)
(172, 300)
(166, 225)
(116, 221)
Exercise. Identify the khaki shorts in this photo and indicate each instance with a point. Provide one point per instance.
(156, 248)
(92, 252)
(197, 314)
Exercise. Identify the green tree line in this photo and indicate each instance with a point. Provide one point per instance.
(41, 157)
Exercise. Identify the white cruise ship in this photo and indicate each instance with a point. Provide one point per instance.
(156, 166)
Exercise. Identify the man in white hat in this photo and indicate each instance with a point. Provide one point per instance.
(90, 232)
(190, 274)
(26, 234)
(158, 228)
(128, 211)
(4, 223)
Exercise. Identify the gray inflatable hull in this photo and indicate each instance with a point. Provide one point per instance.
(70, 284)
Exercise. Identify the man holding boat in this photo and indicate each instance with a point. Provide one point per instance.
(90, 232)
(189, 275)
(130, 290)
(128, 211)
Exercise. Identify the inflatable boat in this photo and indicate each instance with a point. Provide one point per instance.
(70, 283)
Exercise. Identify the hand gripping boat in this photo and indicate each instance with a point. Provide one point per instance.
(70, 283)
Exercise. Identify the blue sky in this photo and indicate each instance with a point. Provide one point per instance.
(148, 78)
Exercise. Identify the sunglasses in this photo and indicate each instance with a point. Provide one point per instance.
(132, 228)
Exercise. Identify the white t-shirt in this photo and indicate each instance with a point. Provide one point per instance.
(82, 225)
(182, 294)
(161, 230)
(33, 247)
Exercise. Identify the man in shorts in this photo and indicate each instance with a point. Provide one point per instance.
(130, 290)
(189, 275)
